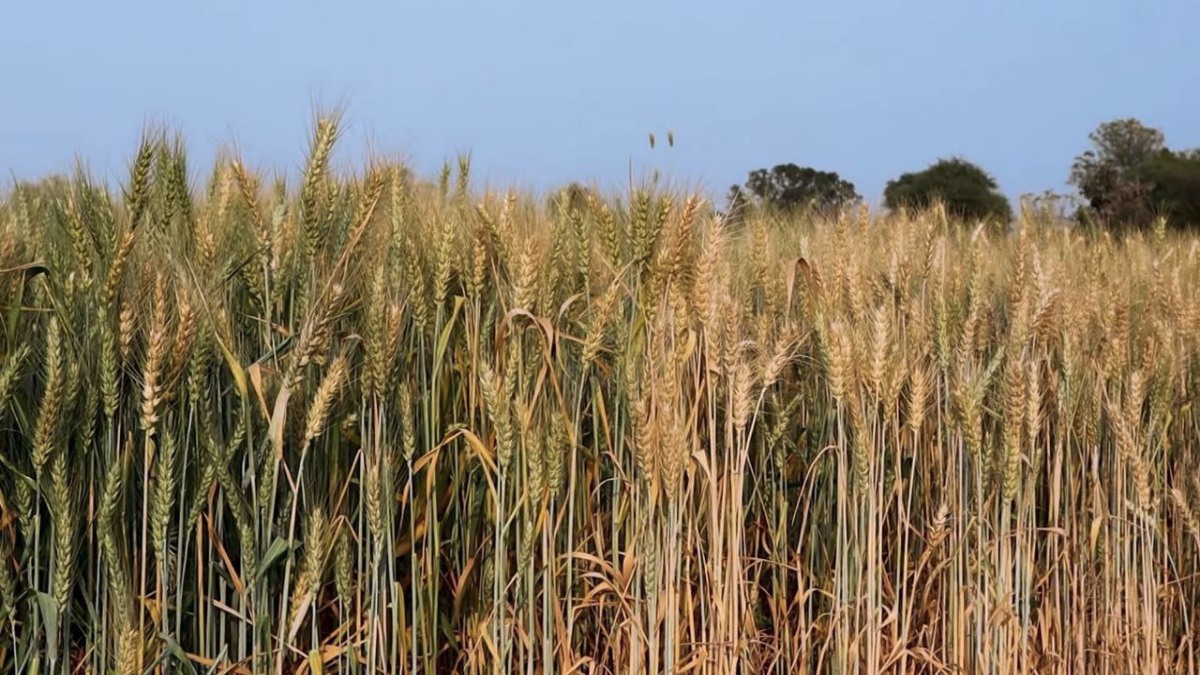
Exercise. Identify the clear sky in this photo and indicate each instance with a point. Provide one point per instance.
(544, 92)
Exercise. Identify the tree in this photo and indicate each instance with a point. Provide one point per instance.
(736, 204)
(1122, 143)
(967, 191)
(1106, 175)
(1172, 185)
(789, 187)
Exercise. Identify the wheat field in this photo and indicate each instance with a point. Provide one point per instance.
(367, 423)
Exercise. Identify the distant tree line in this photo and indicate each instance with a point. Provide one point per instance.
(1129, 178)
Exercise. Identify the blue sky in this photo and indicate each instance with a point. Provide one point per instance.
(544, 92)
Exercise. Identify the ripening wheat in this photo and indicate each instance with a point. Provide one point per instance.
(368, 423)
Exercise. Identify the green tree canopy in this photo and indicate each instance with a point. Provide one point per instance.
(1172, 185)
(967, 191)
(789, 187)
(1129, 176)
(1122, 144)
